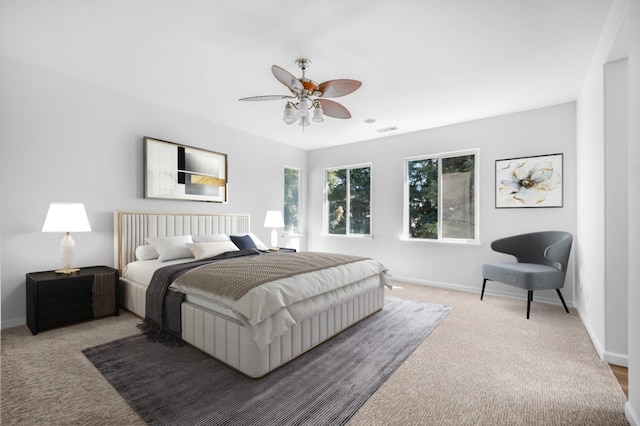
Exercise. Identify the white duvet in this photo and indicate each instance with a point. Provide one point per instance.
(271, 309)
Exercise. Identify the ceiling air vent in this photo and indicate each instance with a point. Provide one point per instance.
(387, 129)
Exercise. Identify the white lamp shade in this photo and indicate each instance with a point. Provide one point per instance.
(66, 217)
(304, 121)
(318, 114)
(290, 114)
(303, 108)
(274, 219)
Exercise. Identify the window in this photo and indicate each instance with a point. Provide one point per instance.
(441, 197)
(348, 201)
(292, 194)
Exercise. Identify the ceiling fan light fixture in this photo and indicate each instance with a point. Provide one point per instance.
(304, 93)
(318, 115)
(303, 108)
(290, 115)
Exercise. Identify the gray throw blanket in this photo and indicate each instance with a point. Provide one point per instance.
(235, 278)
(162, 321)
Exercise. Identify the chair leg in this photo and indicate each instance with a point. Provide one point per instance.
(484, 283)
(529, 300)
(562, 300)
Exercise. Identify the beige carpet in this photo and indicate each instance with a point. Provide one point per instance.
(484, 365)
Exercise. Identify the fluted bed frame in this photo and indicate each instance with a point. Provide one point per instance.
(220, 336)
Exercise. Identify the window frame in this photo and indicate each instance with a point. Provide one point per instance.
(325, 209)
(476, 191)
(299, 230)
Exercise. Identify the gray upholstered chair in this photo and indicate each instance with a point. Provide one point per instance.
(542, 263)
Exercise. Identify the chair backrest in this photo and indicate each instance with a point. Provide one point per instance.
(550, 248)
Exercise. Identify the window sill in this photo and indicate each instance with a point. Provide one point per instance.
(356, 236)
(452, 242)
(293, 234)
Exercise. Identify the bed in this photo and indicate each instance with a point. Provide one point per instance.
(214, 327)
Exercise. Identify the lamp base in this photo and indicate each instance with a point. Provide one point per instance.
(67, 271)
(66, 250)
(274, 239)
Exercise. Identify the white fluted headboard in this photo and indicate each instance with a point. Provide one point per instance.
(131, 229)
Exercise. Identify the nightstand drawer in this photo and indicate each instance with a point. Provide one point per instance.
(60, 314)
(57, 299)
(58, 291)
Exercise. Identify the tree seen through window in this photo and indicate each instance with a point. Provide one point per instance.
(348, 201)
(441, 197)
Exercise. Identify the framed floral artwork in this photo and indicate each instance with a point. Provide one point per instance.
(529, 182)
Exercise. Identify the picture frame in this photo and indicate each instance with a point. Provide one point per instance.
(181, 172)
(529, 182)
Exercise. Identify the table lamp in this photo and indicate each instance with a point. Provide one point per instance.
(274, 220)
(67, 218)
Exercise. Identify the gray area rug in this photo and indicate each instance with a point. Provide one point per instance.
(325, 386)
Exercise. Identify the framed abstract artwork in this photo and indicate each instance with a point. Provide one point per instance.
(529, 181)
(180, 172)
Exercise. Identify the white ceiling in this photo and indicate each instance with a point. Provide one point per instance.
(423, 63)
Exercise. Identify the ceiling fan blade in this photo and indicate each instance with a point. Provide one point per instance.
(334, 109)
(337, 88)
(267, 98)
(286, 78)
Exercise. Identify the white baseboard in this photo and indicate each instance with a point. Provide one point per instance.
(547, 300)
(632, 415)
(435, 284)
(14, 322)
(616, 359)
(597, 345)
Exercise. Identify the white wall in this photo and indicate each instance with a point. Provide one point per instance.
(633, 145)
(542, 131)
(590, 249)
(64, 140)
(616, 210)
(621, 33)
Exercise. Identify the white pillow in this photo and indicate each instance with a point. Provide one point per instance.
(146, 253)
(170, 248)
(163, 243)
(259, 244)
(210, 238)
(175, 252)
(210, 249)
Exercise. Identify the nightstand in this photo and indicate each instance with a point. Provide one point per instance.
(58, 299)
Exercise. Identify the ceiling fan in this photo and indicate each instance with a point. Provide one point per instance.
(308, 95)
